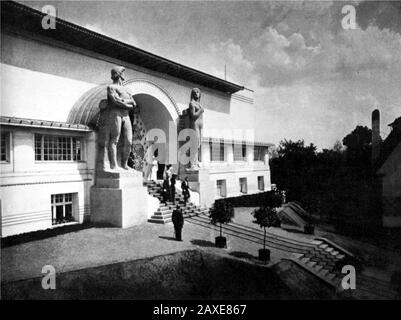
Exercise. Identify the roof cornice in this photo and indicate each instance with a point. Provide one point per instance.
(15, 16)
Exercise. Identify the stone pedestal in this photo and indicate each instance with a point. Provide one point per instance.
(199, 180)
(119, 199)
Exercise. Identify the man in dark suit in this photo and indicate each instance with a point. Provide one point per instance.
(178, 221)
(165, 191)
(185, 189)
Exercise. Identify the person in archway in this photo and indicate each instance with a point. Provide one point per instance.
(178, 222)
(166, 183)
(149, 162)
(185, 189)
(120, 102)
(172, 188)
(168, 173)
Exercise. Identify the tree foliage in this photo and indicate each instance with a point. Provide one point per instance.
(221, 212)
(265, 217)
(358, 144)
(335, 184)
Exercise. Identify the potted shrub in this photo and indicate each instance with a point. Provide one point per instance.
(265, 217)
(221, 212)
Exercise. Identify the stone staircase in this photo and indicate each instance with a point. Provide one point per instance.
(325, 260)
(165, 210)
(319, 256)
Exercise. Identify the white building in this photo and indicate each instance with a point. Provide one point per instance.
(52, 83)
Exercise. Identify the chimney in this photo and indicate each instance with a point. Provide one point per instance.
(376, 139)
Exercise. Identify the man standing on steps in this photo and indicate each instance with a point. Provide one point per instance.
(178, 221)
(185, 190)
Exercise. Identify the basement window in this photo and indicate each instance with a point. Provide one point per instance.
(62, 208)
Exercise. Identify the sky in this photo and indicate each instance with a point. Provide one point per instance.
(312, 79)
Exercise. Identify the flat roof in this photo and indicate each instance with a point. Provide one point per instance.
(18, 17)
(46, 124)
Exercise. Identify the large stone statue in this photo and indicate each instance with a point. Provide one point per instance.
(195, 112)
(115, 123)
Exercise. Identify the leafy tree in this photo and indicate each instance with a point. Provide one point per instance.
(265, 217)
(334, 184)
(221, 212)
(296, 149)
(358, 144)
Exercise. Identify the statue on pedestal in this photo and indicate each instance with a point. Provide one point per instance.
(115, 124)
(195, 112)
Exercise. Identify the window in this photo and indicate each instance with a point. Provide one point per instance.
(62, 208)
(57, 148)
(5, 147)
(221, 188)
(216, 151)
(239, 152)
(259, 153)
(243, 185)
(261, 183)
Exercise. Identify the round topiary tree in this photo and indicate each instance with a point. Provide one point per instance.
(221, 212)
(265, 217)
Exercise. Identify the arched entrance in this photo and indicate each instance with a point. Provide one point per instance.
(158, 110)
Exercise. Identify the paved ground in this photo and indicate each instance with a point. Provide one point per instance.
(99, 246)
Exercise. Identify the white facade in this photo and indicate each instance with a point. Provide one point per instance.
(230, 171)
(27, 185)
(44, 80)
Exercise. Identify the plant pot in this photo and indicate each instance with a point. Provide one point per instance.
(221, 242)
(309, 229)
(264, 254)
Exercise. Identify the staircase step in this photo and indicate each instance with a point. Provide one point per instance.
(323, 246)
(164, 216)
(311, 264)
(330, 276)
(305, 260)
(160, 221)
(329, 249)
(323, 272)
(317, 267)
(162, 213)
(317, 242)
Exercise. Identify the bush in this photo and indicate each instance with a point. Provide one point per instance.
(268, 198)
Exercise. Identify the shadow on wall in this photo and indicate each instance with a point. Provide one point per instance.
(242, 255)
(202, 243)
(43, 234)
